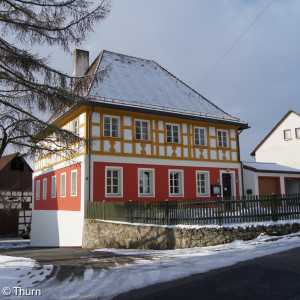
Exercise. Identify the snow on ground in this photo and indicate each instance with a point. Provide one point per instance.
(12, 243)
(154, 267)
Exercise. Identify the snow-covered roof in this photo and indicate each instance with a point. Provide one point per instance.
(268, 167)
(142, 83)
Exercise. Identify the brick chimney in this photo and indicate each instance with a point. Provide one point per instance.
(80, 62)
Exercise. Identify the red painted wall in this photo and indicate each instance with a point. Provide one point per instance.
(69, 203)
(130, 181)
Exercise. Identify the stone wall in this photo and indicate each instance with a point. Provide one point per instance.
(105, 234)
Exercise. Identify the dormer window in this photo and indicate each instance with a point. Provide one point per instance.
(287, 134)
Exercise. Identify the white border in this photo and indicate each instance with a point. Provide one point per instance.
(44, 194)
(74, 171)
(181, 183)
(153, 183)
(233, 183)
(227, 138)
(179, 133)
(205, 136)
(65, 184)
(120, 182)
(119, 127)
(207, 183)
(149, 131)
(53, 195)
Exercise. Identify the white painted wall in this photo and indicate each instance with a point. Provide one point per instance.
(275, 149)
(52, 228)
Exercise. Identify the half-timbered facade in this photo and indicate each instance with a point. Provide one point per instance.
(152, 138)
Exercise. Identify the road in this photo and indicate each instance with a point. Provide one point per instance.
(273, 277)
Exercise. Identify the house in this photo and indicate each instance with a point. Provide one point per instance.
(15, 194)
(270, 178)
(282, 143)
(153, 138)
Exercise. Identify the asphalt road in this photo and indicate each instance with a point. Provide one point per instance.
(272, 277)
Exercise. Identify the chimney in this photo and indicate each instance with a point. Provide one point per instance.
(80, 62)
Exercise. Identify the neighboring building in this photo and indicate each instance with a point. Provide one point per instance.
(282, 144)
(270, 178)
(15, 194)
(154, 138)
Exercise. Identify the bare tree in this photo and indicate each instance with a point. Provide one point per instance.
(27, 83)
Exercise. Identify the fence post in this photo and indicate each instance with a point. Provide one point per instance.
(103, 210)
(130, 211)
(274, 207)
(220, 202)
(166, 212)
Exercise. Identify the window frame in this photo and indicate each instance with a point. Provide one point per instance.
(53, 187)
(65, 184)
(151, 181)
(120, 182)
(141, 131)
(207, 184)
(38, 190)
(71, 181)
(181, 182)
(284, 134)
(296, 134)
(172, 133)
(44, 194)
(75, 129)
(205, 136)
(110, 129)
(227, 138)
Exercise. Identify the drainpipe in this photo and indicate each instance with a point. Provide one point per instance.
(242, 167)
(89, 150)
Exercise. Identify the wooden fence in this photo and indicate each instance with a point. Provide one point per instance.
(203, 211)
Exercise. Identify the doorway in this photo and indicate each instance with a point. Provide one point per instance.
(226, 185)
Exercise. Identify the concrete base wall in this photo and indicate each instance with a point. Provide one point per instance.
(104, 234)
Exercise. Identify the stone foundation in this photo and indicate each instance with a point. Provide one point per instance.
(104, 234)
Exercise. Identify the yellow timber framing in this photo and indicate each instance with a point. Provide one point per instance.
(186, 136)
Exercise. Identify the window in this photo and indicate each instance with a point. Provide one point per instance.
(172, 133)
(175, 183)
(202, 183)
(142, 130)
(76, 126)
(111, 126)
(146, 182)
(44, 188)
(74, 183)
(297, 133)
(113, 182)
(223, 138)
(53, 187)
(63, 185)
(287, 134)
(37, 192)
(200, 136)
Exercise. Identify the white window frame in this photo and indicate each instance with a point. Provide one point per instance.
(53, 186)
(222, 141)
(38, 190)
(142, 138)
(75, 126)
(61, 184)
(205, 136)
(120, 182)
(181, 183)
(71, 190)
(206, 183)
(172, 133)
(110, 129)
(151, 182)
(44, 188)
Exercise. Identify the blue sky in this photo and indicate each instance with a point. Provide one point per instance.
(258, 81)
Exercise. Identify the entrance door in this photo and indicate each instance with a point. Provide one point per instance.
(226, 184)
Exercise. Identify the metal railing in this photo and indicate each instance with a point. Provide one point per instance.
(202, 211)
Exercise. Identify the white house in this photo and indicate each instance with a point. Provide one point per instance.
(282, 144)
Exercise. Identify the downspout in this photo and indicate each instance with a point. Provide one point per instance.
(89, 151)
(242, 167)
